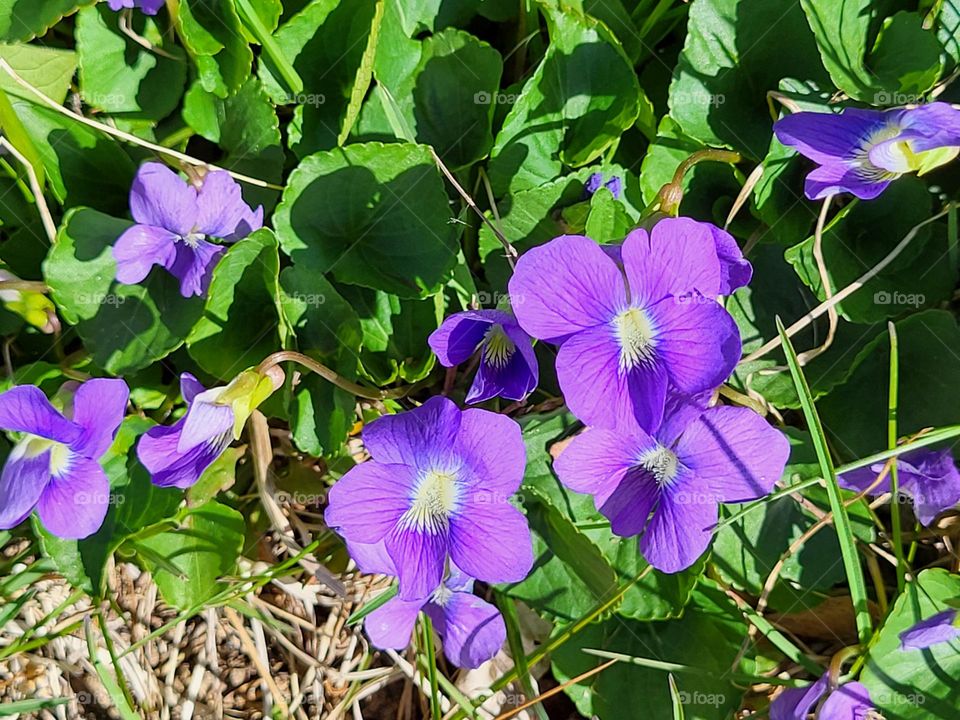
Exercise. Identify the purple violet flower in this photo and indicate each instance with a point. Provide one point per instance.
(508, 365)
(173, 221)
(439, 483)
(595, 182)
(847, 702)
(668, 487)
(148, 7)
(863, 151)
(472, 629)
(929, 477)
(940, 628)
(735, 270)
(621, 350)
(177, 455)
(54, 468)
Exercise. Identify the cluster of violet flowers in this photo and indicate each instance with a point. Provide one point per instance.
(55, 468)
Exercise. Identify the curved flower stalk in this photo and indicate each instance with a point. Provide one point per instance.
(847, 702)
(472, 630)
(177, 455)
(940, 628)
(863, 151)
(147, 7)
(667, 487)
(438, 489)
(929, 477)
(174, 221)
(508, 366)
(628, 332)
(54, 468)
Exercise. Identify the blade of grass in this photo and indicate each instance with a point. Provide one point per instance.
(426, 628)
(684, 669)
(675, 698)
(22, 707)
(841, 521)
(253, 23)
(509, 611)
(892, 435)
(110, 683)
(378, 602)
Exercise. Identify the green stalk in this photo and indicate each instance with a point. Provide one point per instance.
(841, 521)
(250, 18)
(512, 620)
(428, 646)
(896, 536)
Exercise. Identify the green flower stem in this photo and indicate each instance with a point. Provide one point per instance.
(331, 376)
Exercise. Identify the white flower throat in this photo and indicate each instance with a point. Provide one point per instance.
(636, 337)
(435, 497)
(662, 463)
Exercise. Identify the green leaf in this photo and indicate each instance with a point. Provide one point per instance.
(124, 327)
(83, 166)
(864, 236)
(240, 322)
(204, 548)
(581, 98)
(893, 69)
(706, 641)
(212, 33)
(49, 70)
(121, 77)
(929, 393)
(246, 126)
(25, 19)
(733, 54)
(915, 684)
(326, 43)
(449, 97)
(395, 332)
(325, 323)
(373, 215)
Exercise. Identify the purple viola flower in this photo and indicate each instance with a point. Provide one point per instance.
(54, 468)
(148, 7)
(929, 477)
(735, 270)
(940, 628)
(668, 487)
(472, 629)
(620, 349)
(173, 221)
(438, 484)
(847, 702)
(863, 151)
(177, 455)
(595, 182)
(508, 365)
